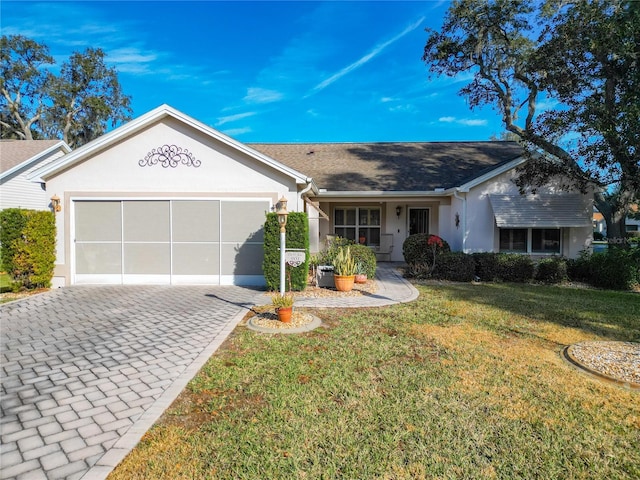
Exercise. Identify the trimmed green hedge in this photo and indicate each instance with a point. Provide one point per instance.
(455, 267)
(12, 223)
(513, 267)
(551, 270)
(417, 248)
(487, 266)
(616, 268)
(28, 246)
(297, 236)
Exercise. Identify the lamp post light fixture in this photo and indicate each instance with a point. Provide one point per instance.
(398, 211)
(282, 221)
(55, 203)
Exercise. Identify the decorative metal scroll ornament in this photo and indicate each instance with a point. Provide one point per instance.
(169, 156)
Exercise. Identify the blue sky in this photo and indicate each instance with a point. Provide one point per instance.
(270, 71)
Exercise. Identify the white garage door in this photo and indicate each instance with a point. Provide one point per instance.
(169, 241)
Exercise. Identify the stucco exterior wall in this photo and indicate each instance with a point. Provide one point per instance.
(483, 234)
(115, 172)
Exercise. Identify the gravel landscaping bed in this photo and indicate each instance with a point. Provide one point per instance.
(619, 361)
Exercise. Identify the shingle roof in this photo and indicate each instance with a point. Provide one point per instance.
(14, 152)
(399, 167)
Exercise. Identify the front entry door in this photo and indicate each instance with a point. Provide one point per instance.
(418, 220)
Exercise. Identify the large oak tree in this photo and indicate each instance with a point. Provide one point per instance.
(578, 58)
(76, 105)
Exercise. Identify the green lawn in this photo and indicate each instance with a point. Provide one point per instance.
(466, 382)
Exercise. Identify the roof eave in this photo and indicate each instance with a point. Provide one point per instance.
(380, 193)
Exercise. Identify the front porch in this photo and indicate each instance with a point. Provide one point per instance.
(382, 225)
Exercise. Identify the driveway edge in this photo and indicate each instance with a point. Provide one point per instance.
(110, 460)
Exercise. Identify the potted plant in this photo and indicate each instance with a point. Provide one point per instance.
(361, 273)
(283, 304)
(344, 270)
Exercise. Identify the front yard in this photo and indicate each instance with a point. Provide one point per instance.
(465, 382)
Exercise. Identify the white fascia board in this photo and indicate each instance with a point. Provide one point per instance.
(380, 193)
(147, 119)
(60, 145)
(490, 175)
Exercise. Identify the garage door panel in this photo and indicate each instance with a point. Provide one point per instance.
(196, 259)
(146, 221)
(195, 221)
(169, 241)
(98, 258)
(251, 228)
(242, 259)
(147, 258)
(98, 221)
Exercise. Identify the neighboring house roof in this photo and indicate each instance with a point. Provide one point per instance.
(399, 167)
(142, 122)
(17, 154)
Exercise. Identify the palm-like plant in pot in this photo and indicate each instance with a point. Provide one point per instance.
(344, 270)
(283, 303)
(361, 273)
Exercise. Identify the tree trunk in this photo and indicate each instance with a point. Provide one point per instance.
(615, 215)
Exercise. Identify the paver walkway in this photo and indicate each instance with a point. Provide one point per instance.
(391, 288)
(86, 371)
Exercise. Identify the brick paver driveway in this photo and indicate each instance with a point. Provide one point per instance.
(86, 370)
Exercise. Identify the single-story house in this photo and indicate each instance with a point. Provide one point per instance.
(18, 159)
(167, 199)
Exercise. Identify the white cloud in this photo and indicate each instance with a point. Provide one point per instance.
(472, 122)
(234, 118)
(233, 132)
(262, 95)
(469, 122)
(547, 104)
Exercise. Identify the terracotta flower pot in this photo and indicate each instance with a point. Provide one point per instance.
(361, 278)
(344, 283)
(284, 314)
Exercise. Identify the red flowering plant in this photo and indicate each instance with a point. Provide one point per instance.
(421, 252)
(434, 245)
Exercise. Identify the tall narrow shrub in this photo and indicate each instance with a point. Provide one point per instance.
(297, 237)
(12, 223)
(34, 252)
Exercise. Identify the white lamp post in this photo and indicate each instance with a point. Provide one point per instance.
(282, 220)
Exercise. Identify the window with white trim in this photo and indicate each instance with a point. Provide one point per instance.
(360, 224)
(530, 240)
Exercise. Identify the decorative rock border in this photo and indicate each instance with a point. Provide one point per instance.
(266, 323)
(615, 362)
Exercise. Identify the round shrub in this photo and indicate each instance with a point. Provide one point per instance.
(364, 256)
(579, 269)
(419, 248)
(326, 256)
(513, 267)
(487, 266)
(616, 268)
(551, 270)
(455, 267)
